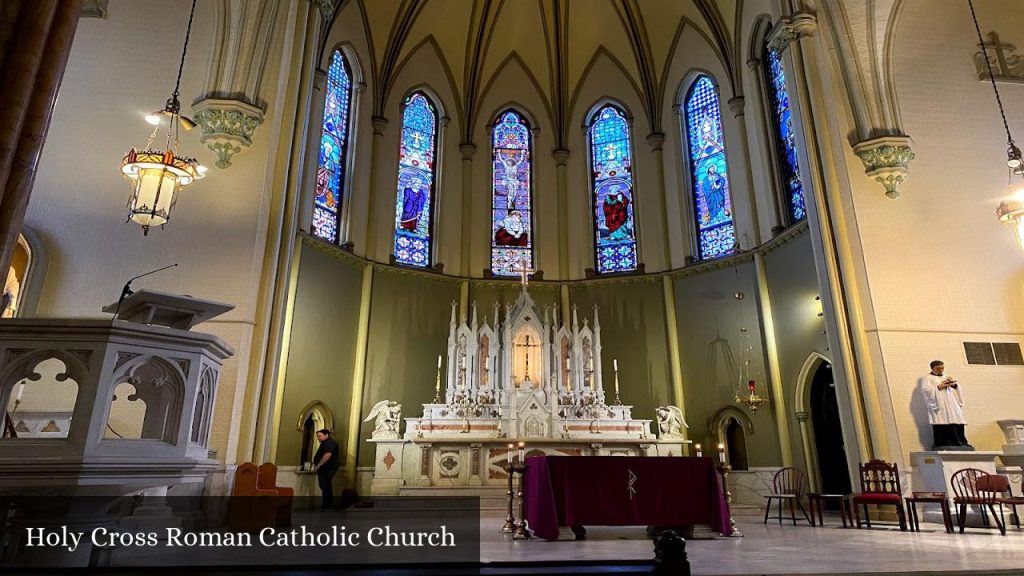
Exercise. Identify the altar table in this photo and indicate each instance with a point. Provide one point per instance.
(622, 491)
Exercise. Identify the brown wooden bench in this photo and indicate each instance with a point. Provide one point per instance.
(256, 500)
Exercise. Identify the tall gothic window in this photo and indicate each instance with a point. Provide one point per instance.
(716, 234)
(416, 171)
(785, 140)
(611, 167)
(511, 195)
(333, 150)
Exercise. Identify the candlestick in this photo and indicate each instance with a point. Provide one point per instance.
(522, 453)
(699, 453)
(721, 453)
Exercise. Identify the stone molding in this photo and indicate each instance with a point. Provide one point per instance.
(228, 126)
(887, 160)
(791, 28)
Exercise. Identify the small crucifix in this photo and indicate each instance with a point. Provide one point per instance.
(527, 345)
(524, 271)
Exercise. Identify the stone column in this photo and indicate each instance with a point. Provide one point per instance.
(561, 157)
(656, 141)
(736, 105)
(772, 352)
(351, 451)
(810, 462)
(379, 124)
(468, 149)
(35, 40)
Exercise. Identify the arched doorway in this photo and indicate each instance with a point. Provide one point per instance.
(736, 441)
(829, 446)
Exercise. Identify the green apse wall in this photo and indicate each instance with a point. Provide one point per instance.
(632, 315)
(409, 317)
(321, 353)
(710, 318)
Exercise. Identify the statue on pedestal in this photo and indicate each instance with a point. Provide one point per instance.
(670, 422)
(388, 417)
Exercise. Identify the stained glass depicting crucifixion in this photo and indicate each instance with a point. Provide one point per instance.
(511, 195)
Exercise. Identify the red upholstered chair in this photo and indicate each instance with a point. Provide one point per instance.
(978, 488)
(790, 485)
(879, 485)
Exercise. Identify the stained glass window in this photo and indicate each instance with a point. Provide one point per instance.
(785, 140)
(611, 165)
(511, 196)
(716, 235)
(416, 169)
(333, 149)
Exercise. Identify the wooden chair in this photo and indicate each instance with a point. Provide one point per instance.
(266, 479)
(790, 485)
(879, 485)
(1010, 500)
(977, 488)
(252, 508)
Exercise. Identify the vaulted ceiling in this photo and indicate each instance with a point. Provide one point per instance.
(554, 40)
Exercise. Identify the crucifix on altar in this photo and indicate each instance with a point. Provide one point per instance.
(521, 360)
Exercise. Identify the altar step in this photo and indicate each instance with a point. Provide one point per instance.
(491, 497)
(483, 499)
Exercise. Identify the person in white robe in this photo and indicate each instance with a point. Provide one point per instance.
(945, 408)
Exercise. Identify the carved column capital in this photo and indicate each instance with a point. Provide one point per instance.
(887, 160)
(320, 79)
(227, 125)
(802, 416)
(379, 124)
(736, 104)
(655, 140)
(561, 156)
(791, 28)
(468, 150)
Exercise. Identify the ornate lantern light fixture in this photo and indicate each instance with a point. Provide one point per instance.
(748, 391)
(156, 175)
(1011, 211)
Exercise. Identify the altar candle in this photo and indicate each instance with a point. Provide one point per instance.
(21, 390)
(510, 454)
(486, 360)
(615, 364)
(438, 361)
(522, 452)
(699, 453)
(721, 453)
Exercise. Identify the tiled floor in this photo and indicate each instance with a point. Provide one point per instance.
(788, 549)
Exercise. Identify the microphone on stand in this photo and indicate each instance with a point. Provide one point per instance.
(127, 290)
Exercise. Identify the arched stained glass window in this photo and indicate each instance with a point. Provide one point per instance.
(716, 235)
(785, 139)
(611, 166)
(416, 170)
(511, 195)
(333, 150)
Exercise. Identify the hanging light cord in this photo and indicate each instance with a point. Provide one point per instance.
(991, 76)
(173, 102)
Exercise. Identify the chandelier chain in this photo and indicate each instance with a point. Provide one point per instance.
(184, 51)
(991, 75)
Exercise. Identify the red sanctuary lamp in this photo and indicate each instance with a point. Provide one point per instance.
(750, 397)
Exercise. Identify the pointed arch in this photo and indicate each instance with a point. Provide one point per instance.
(512, 237)
(417, 180)
(332, 166)
(609, 141)
(703, 134)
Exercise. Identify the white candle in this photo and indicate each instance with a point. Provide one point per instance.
(522, 452)
(438, 361)
(486, 360)
(509, 454)
(567, 366)
(615, 364)
(21, 390)
(721, 453)
(699, 453)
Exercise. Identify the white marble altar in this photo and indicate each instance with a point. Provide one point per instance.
(1013, 450)
(528, 378)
